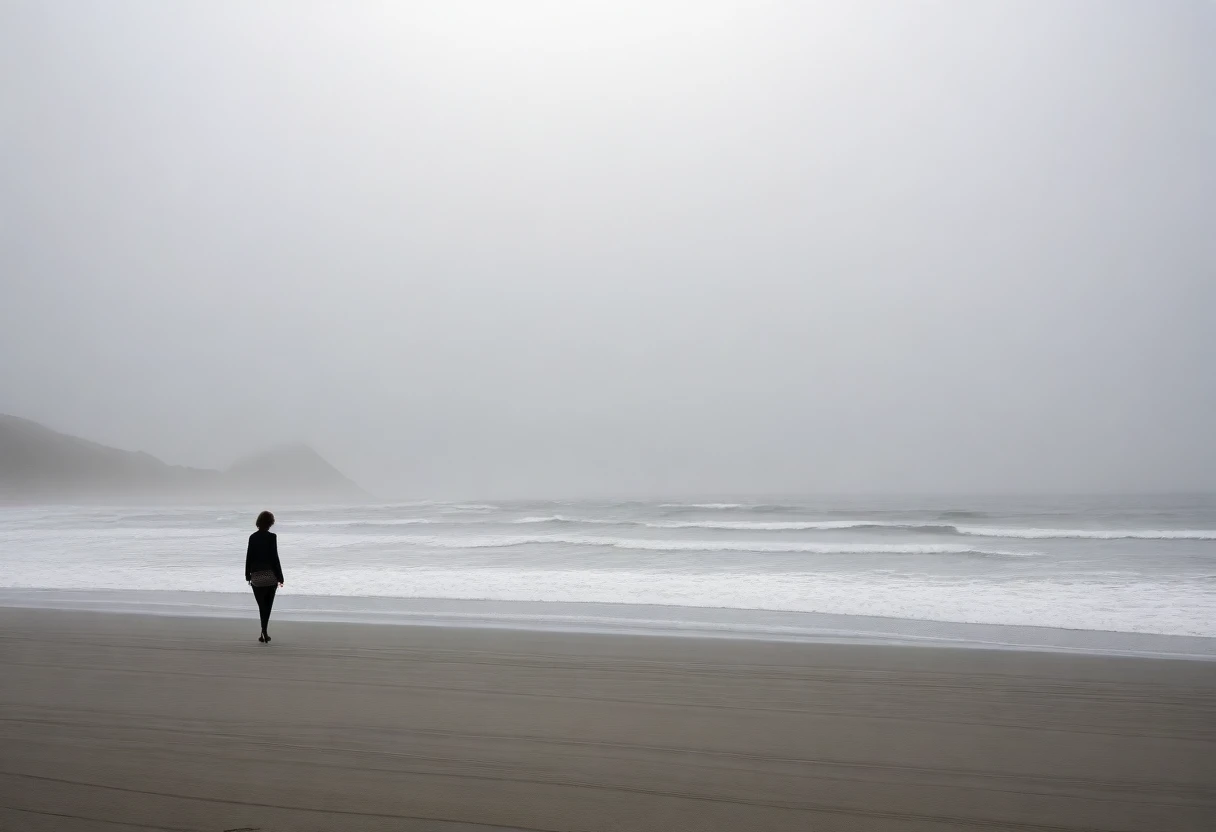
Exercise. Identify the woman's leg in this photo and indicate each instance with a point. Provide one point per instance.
(266, 603)
(263, 599)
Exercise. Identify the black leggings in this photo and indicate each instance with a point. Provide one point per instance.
(265, 596)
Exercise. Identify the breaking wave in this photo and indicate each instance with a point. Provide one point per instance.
(1090, 534)
(752, 507)
(650, 545)
(1016, 533)
(364, 524)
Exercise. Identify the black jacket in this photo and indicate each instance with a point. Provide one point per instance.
(263, 554)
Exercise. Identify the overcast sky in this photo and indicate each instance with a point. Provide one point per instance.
(616, 248)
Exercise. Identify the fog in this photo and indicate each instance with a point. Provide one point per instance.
(620, 249)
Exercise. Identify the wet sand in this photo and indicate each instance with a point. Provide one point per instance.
(111, 722)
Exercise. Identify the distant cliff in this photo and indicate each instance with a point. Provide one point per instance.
(37, 463)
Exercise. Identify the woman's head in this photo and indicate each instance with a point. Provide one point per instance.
(265, 521)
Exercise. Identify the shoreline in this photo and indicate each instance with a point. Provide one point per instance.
(110, 721)
(621, 619)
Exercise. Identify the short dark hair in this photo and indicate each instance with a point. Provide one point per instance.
(265, 521)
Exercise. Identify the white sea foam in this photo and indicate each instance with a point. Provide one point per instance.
(1167, 608)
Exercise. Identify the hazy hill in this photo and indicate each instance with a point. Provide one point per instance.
(37, 463)
(291, 470)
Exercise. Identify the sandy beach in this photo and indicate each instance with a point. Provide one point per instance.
(144, 722)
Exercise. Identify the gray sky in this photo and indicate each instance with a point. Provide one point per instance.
(564, 249)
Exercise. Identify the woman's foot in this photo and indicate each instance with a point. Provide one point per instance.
(266, 637)
(262, 638)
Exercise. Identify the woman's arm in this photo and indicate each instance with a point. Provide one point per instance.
(248, 556)
(274, 552)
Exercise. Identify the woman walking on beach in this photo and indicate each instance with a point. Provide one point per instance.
(262, 568)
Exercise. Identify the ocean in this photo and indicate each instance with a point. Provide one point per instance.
(1142, 565)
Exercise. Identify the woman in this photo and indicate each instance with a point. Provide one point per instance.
(262, 568)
